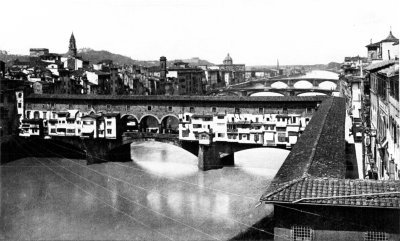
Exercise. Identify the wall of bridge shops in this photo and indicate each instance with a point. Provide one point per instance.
(161, 108)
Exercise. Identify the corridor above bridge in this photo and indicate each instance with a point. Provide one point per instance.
(161, 106)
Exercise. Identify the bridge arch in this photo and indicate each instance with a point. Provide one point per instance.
(267, 93)
(229, 93)
(170, 124)
(149, 123)
(311, 94)
(303, 84)
(328, 85)
(129, 123)
(262, 161)
(279, 85)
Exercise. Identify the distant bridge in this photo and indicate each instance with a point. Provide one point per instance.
(283, 86)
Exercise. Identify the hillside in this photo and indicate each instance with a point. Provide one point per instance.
(9, 58)
(95, 56)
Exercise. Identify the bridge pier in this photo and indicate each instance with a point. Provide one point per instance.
(208, 157)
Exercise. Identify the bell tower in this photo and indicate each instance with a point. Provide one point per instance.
(72, 51)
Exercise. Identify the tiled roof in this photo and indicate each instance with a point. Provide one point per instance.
(390, 71)
(320, 150)
(337, 192)
(390, 38)
(380, 64)
(377, 44)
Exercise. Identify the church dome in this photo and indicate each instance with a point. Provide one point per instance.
(228, 60)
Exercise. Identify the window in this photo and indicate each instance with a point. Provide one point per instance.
(108, 107)
(170, 108)
(221, 135)
(70, 106)
(52, 130)
(19, 105)
(108, 123)
(309, 110)
(44, 115)
(191, 109)
(89, 107)
(375, 236)
(70, 131)
(261, 110)
(109, 131)
(54, 115)
(28, 114)
(213, 109)
(149, 107)
(301, 233)
(237, 110)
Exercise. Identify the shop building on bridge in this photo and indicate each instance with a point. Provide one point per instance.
(249, 121)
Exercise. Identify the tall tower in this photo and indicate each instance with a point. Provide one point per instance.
(277, 64)
(72, 51)
(163, 68)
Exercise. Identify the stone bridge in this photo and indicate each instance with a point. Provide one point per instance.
(284, 86)
(213, 156)
(160, 112)
(283, 92)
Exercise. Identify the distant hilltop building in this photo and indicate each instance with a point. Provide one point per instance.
(385, 49)
(231, 73)
(37, 52)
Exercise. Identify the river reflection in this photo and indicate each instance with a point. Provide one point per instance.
(226, 196)
(161, 195)
(163, 159)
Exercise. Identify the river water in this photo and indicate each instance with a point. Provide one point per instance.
(160, 195)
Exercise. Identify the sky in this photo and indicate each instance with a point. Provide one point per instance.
(253, 32)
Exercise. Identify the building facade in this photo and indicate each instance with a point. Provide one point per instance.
(383, 157)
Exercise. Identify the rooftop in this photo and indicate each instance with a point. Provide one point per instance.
(380, 64)
(320, 150)
(390, 71)
(58, 97)
(337, 192)
(390, 38)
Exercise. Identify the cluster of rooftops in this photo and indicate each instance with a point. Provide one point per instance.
(314, 171)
